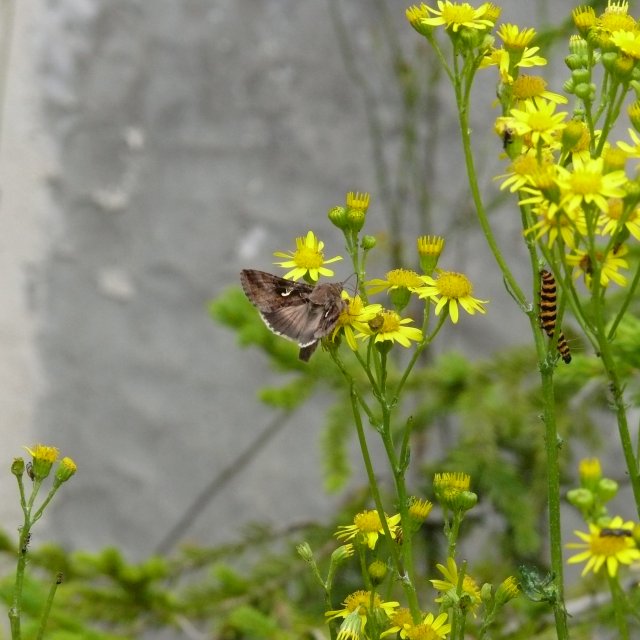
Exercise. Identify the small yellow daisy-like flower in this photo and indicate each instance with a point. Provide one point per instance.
(469, 585)
(368, 527)
(416, 16)
(457, 480)
(400, 619)
(419, 509)
(355, 317)
(358, 606)
(306, 259)
(599, 547)
(454, 15)
(609, 266)
(584, 17)
(451, 290)
(396, 279)
(522, 170)
(514, 38)
(65, 470)
(615, 18)
(540, 120)
(610, 220)
(43, 458)
(526, 87)
(431, 628)
(555, 223)
(628, 42)
(388, 326)
(587, 184)
(508, 590)
(430, 245)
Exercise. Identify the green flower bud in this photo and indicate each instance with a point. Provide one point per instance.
(486, 592)
(377, 571)
(17, 467)
(368, 242)
(304, 551)
(607, 489)
(338, 216)
(585, 91)
(581, 75)
(400, 298)
(582, 499)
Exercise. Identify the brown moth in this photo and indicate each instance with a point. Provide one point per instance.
(295, 310)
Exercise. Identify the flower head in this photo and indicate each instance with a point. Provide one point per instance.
(470, 587)
(43, 458)
(628, 42)
(355, 317)
(388, 326)
(605, 545)
(400, 619)
(540, 120)
(454, 15)
(306, 259)
(451, 289)
(508, 590)
(526, 87)
(367, 527)
(431, 628)
(429, 249)
(396, 279)
(357, 608)
(65, 470)
(609, 266)
(588, 183)
(612, 220)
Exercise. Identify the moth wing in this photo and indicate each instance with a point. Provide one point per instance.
(298, 323)
(269, 292)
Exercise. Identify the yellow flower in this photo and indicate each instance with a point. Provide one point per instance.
(514, 38)
(451, 289)
(469, 585)
(389, 326)
(588, 184)
(399, 619)
(43, 458)
(602, 546)
(306, 259)
(615, 18)
(508, 590)
(584, 17)
(522, 170)
(65, 470)
(357, 608)
(554, 222)
(419, 509)
(367, 527)
(540, 121)
(611, 219)
(396, 279)
(431, 628)
(609, 266)
(355, 316)
(429, 249)
(590, 472)
(454, 15)
(628, 42)
(531, 87)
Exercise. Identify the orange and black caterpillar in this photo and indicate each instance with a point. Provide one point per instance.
(548, 312)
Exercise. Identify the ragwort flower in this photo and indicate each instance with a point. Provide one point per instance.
(610, 545)
(388, 326)
(454, 15)
(357, 608)
(609, 266)
(611, 220)
(396, 279)
(306, 259)
(367, 527)
(588, 183)
(449, 290)
(431, 628)
(470, 587)
(355, 317)
(540, 121)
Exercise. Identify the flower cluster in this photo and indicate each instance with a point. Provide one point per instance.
(573, 187)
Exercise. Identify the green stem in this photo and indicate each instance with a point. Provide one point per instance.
(15, 612)
(407, 584)
(617, 597)
(552, 446)
(47, 607)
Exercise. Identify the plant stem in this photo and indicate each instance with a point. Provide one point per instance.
(618, 607)
(47, 607)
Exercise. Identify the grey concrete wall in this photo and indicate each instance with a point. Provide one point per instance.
(152, 149)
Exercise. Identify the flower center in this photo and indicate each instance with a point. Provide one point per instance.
(360, 600)
(423, 632)
(528, 87)
(368, 521)
(539, 121)
(308, 258)
(454, 285)
(458, 13)
(607, 545)
(404, 278)
(390, 323)
(586, 182)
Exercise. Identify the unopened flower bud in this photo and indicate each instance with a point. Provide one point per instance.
(338, 216)
(368, 242)
(607, 489)
(65, 470)
(17, 467)
(377, 571)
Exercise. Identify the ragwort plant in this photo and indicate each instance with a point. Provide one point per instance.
(580, 215)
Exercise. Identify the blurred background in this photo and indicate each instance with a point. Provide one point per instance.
(151, 150)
